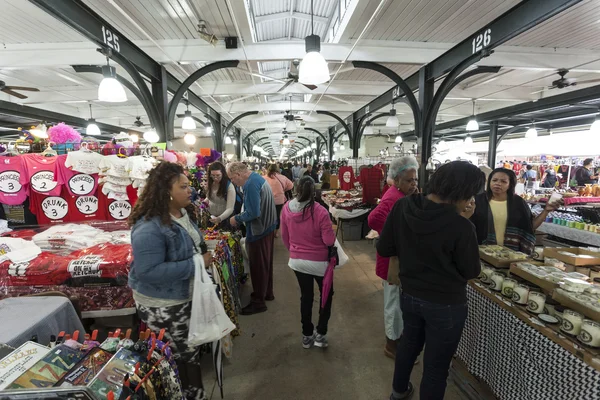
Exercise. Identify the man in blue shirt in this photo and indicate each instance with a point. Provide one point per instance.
(260, 218)
(296, 171)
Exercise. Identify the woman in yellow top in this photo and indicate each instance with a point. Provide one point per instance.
(502, 217)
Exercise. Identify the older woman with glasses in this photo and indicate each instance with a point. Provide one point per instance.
(402, 176)
(220, 194)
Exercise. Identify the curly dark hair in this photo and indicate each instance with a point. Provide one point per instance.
(222, 191)
(456, 181)
(155, 198)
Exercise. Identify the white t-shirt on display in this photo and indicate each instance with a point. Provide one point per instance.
(86, 162)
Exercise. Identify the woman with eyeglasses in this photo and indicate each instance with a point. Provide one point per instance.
(220, 194)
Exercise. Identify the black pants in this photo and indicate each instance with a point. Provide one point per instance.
(307, 286)
(278, 208)
(260, 254)
(438, 327)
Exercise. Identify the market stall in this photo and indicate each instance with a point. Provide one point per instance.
(349, 210)
(534, 327)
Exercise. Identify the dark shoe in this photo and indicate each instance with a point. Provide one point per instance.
(390, 348)
(406, 395)
(270, 298)
(252, 309)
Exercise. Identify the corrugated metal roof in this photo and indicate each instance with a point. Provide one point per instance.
(577, 27)
(23, 22)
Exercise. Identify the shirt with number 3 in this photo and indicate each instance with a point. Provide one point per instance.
(12, 192)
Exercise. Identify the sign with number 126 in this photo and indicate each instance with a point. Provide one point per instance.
(482, 40)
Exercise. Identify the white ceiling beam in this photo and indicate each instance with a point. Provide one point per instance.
(285, 105)
(261, 19)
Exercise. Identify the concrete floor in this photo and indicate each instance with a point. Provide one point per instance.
(268, 359)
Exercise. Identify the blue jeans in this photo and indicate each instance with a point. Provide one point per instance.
(439, 327)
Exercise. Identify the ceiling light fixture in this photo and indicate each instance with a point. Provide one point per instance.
(531, 133)
(313, 145)
(228, 139)
(286, 141)
(209, 127)
(313, 68)
(40, 131)
(188, 122)
(342, 147)
(92, 129)
(392, 120)
(398, 139)
(473, 125)
(134, 138)
(151, 136)
(235, 142)
(189, 139)
(110, 89)
(468, 140)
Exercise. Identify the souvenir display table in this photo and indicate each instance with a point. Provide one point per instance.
(36, 316)
(515, 353)
(578, 235)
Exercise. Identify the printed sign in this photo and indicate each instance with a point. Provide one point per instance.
(19, 361)
(55, 207)
(346, 176)
(9, 182)
(81, 184)
(85, 266)
(120, 209)
(87, 204)
(43, 181)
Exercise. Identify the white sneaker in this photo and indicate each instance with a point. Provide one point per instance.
(308, 341)
(321, 341)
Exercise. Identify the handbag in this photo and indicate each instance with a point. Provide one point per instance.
(393, 276)
(208, 321)
(288, 193)
(338, 252)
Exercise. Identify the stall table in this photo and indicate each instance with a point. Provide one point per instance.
(519, 357)
(564, 232)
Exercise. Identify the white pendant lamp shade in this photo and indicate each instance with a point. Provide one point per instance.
(313, 145)
(468, 140)
(151, 136)
(531, 133)
(188, 122)
(472, 125)
(40, 131)
(235, 142)
(398, 139)
(92, 129)
(342, 147)
(209, 128)
(189, 139)
(313, 67)
(392, 120)
(291, 126)
(110, 89)
(595, 127)
(134, 138)
(227, 140)
(286, 141)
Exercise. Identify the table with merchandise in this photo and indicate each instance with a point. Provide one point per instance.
(532, 328)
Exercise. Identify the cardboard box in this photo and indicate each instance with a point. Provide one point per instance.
(589, 312)
(547, 286)
(496, 262)
(553, 252)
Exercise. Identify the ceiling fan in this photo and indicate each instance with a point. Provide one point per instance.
(10, 90)
(138, 122)
(564, 82)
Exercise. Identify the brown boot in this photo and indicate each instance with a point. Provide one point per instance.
(390, 348)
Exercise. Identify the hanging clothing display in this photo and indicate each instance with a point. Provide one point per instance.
(49, 209)
(87, 162)
(371, 180)
(12, 191)
(39, 174)
(346, 177)
(77, 183)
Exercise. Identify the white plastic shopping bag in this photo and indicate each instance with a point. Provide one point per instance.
(208, 321)
(342, 256)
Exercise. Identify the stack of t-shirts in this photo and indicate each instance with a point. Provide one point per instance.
(104, 264)
(114, 174)
(44, 270)
(139, 167)
(63, 239)
(17, 250)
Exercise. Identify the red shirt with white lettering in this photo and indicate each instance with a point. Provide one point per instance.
(77, 183)
(39, 174)
(49, 209)
(12, 191)
(84, 208)
(116, 210)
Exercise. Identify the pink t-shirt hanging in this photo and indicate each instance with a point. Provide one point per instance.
(39, 174)
(12, 191)
(77, 183)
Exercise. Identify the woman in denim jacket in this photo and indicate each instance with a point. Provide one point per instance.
(165, 239)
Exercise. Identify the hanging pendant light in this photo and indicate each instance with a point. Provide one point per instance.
(151, 136)
(228, 139)
(392, 120)
(313, 145)
(189, 139)
(92, 129)
(472, 125)
(286, 141)
(468, 140)
(40, 131)
(235, 142)
(110, 89)
(188, 122)
(313, 67)
(209, 127)
(134, 138)
(531, 133)
(342, 147)
(595, 127)
(398, 139)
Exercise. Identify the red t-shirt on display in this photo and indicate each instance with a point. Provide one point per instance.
(49, 209)
(77, 183)
(115, 210)
(12, 191)
(39, 174)
(346, 176)
(85, 208)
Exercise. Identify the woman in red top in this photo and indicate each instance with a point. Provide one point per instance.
(279, 185)
(403, 173)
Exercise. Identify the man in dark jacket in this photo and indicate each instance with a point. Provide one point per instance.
(438, 253)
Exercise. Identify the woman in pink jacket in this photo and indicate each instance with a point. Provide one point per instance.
(308, 246)
(279, 185)
(403, 173)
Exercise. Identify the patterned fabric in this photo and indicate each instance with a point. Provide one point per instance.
(176, 321)
(517, 361)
